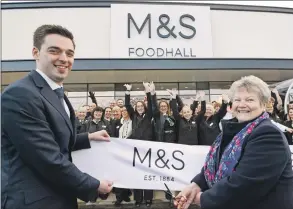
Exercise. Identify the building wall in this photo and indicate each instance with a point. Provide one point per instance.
(90, 26)
(235, 34)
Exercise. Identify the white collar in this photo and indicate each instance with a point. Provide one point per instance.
(50, 82)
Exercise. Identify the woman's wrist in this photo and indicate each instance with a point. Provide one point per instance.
(197, 198)
(195, 186)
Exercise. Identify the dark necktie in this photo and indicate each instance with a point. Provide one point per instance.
(60, 94)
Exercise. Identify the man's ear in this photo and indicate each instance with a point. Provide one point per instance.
(36, 53)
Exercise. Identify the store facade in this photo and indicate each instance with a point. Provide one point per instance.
(189, 47)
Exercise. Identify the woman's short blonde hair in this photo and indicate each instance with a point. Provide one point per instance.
(116, 108)
(252, 84)
(82, 109)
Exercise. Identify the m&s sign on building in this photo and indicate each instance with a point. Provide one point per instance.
(160, 31)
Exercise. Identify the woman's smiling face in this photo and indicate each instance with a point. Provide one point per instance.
(246, 105)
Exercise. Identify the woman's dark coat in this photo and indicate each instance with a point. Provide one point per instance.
(263, 179)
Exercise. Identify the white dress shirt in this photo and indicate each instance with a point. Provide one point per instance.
(126, 129)
(53, 86)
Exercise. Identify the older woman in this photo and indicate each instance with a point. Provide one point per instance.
(249, 165)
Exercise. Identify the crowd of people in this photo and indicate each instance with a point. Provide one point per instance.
(170, 121)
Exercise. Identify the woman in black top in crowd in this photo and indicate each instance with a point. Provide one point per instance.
(289, 124)
(164, 122)
(141, 117)
(187, 124)
(209, 127)
(97, 123)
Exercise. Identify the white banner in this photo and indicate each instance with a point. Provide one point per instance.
(141, 164)
(137, 164)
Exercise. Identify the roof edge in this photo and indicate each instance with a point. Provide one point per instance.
(96, 3)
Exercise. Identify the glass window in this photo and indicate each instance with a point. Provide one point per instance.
(187, 89)
(77, 94)
(119, 87)
(77, 102)
(219, 87)
(216, 97)
(104, 93)
(202, 85)
(76, 90)
(137, 91)
(102, 87)
(161, 89)
(119, 91)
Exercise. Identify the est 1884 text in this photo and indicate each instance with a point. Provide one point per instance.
(158, 178)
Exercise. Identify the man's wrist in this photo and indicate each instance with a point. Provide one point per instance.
(90, 136)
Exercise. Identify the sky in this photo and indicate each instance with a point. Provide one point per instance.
(286, 4)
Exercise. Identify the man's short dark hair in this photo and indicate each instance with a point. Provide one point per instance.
(44, 30)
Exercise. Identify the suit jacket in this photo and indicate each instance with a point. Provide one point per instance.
(37, 139)
(263, 178)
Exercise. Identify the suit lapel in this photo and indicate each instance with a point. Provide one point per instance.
(51, 97)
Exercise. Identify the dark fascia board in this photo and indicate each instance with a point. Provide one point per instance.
(159, 64)
(99, 3)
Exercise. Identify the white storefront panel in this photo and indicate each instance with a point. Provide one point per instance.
(90, 27)
(103, 32)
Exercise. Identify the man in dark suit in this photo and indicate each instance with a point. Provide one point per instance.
(38, 133)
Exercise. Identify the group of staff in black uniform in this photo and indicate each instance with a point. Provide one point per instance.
(167, 121)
